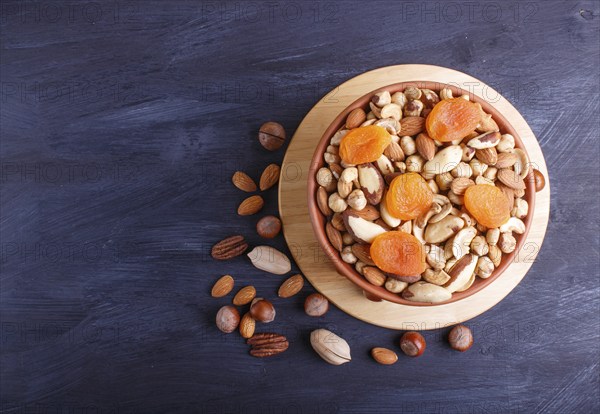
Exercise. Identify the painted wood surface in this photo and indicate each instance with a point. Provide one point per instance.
(121, 125)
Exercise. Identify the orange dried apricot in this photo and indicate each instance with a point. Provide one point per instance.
(399, 253)
(487, 204)
(408, 196)
(452, 119)
(364, 144)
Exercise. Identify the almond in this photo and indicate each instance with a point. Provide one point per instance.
(355, 118)
(509, 193)
(363, 253)
(291, 286)
(337, 221)
(323, 201)
(247, 326)
(510, 179)
(334, 236)
(229, 248)
(412, 125)
(269, 177)
(244, 296)
(425, 146)
(460, 184)
(369, 213)
(251, 205)
(243, 181)
(394, 152)
(384, 356)
(488, 156)
(506, 160)
(374, 275)
(222, 286)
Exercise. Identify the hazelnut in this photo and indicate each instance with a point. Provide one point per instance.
(460, 338)
(539, 180)
(316, 305)
(228, 319)
(412, 344)
(268, 227)
(271, 135)
(262, 310)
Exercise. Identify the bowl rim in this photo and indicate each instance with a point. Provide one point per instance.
(318, 220)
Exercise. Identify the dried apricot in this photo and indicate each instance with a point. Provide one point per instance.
(365, 144)
(452, 119)
(399, 253)
(488, 204)
(408, 196)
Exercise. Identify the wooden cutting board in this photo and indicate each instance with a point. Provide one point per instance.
(317, 267)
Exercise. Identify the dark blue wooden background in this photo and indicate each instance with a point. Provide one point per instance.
(122, 123)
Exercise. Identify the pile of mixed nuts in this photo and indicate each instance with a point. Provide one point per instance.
(458, 248)
(332, 348)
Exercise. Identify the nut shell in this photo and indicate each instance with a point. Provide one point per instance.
(460, 338)
(268, 227)
(262, 310)
(228, 319)
(316, 305)
(271, 135)
(412, 344)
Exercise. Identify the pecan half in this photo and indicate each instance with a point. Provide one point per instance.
(229, 248)
(267, 344)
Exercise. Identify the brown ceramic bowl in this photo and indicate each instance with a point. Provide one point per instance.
(318, 220)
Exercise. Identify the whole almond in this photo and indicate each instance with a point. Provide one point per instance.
(425, 146)
(247, 326)
(369, 213)
(242, 181)
(384, 356)
(509, 193)
(269, 177)
(394, 152)
(412, 125)
(334, 236)
(374, 275)
(510, 179)
(363, 253)
(355, 118)
(251, 205)
(222, 287)
(505, 160)
(460, 184)
(244, 296)
(291, 286)
(337, 221)
(323, 201)
(229, 248)
(488, 156)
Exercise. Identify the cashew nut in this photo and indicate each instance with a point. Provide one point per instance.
(513, 224)
(381, 99)
(462, 170)
(391, 125)
(435, 257)
(349, 175)
(399, 98)
(337, 137)
(392, 110)
(437, 277)
(395, 285)
(507, 143)
(462, 242)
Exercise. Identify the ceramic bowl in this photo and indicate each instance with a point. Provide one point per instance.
(318, 220)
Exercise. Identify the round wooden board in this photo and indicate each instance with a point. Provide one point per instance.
(312, 260)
